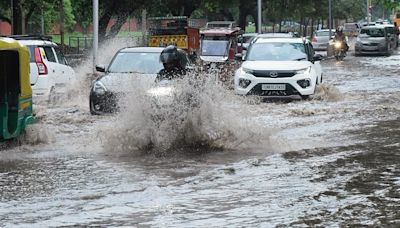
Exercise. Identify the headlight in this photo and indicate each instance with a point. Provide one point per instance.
(99, 88)
(338, 44)
(304, 71)
(247, 71)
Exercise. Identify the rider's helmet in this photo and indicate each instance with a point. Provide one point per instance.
(339, 29)
(170, 58)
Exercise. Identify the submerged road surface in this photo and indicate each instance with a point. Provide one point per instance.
(330, 161)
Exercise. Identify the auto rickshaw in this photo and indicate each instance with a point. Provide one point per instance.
(219, 47)
(15, 89)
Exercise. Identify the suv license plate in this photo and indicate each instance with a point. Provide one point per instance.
(273, 87)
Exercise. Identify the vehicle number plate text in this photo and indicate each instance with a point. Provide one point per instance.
(273, 87)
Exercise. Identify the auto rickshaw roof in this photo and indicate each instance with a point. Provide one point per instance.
(9, 43)
(221, 32)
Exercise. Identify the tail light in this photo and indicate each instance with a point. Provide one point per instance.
(314, 39)
(42, 68)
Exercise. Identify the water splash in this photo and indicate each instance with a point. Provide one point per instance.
(193, 112)
(327, 92)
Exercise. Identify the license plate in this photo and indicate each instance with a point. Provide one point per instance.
(273, 87)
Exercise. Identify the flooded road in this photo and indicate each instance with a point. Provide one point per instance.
(330, 161)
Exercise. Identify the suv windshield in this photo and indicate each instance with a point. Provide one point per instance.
(214, 47)
(373, 32)
(131, 62)
(277, 52)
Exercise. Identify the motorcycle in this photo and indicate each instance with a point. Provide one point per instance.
(339, 50)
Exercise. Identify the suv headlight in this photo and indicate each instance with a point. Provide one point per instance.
(304, 71)
(247, 71)
(99, 88)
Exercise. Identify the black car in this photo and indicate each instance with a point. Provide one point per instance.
(130, 69)
(135, 63)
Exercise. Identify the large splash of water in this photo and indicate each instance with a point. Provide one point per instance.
(195, 112)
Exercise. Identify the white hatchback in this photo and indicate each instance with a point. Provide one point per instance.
(279, 67)
(49, 70)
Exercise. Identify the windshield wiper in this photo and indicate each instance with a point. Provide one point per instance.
(299, 59)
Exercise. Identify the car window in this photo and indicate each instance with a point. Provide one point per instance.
(135, 62)
(31, 53)
(277, 52)
(373, 32)
(60, 56)
(50, 54)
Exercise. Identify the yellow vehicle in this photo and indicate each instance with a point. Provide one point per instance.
(15, 89)
(396, 19)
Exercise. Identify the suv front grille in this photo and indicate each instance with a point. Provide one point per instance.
(273, 74)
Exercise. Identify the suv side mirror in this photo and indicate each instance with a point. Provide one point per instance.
(101, 68)
(317, 57)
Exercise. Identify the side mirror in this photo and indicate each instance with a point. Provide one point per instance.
(101, 68)
(317, 57)
(239, 56)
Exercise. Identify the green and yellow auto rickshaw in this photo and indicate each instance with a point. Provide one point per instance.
(15, 89)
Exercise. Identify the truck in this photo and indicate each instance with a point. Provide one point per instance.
(180, 31)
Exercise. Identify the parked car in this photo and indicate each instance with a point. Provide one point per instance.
(320, 39)
(279, 67)
(351, 29)
(49, 69)
(129, 67)
(374, 40)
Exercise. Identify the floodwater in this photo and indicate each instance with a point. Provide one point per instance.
(330, 161)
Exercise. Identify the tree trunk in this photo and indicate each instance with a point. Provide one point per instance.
(17, 17)
(121, 19)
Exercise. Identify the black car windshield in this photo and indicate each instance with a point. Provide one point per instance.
(136, 62)
(214, 47)
(277, 52)
(373, 32)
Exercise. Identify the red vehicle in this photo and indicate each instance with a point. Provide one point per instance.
(179, 31)
(219, 46)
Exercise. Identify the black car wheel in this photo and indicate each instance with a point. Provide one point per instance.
(92, 108)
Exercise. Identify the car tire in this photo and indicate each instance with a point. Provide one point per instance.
(92, 110)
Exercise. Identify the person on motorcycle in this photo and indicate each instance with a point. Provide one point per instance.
(340, 36)
(174, 62)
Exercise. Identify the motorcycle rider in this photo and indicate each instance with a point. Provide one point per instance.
(340, 36)
(174, 62)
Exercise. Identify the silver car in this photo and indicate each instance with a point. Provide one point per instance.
(374, 40)
(320, 39)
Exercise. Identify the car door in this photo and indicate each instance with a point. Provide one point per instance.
(50, 60)
(67, 73)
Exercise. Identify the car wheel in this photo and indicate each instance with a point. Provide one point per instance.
(92, 109)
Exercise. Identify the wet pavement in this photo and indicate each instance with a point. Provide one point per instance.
(326, 162)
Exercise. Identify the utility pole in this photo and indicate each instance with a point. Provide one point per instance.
(12, 17)
(95, 32)
(62, 23)
(42, 20)
(259, 21)
(368, 13)
(330, 19)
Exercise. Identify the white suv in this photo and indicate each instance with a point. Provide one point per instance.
(279, 67)
(49, 70)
